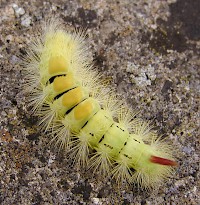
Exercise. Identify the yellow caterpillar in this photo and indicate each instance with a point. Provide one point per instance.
(85, 116)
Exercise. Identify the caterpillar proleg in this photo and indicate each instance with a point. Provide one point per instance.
(85, 117)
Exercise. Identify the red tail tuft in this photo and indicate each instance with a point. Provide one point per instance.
(162, 161)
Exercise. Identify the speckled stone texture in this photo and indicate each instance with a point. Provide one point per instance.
(149, 51)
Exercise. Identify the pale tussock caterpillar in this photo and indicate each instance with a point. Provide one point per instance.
(84, 114)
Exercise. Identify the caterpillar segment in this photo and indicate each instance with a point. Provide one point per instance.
(83, 115)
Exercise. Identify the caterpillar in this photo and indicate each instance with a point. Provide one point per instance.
(85, 117)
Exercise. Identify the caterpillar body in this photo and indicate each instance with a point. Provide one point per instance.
(85, 116)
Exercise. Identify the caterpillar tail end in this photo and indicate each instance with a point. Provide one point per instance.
(162, 161)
